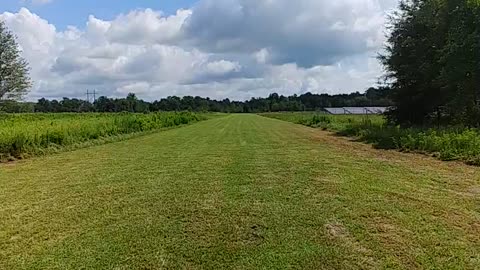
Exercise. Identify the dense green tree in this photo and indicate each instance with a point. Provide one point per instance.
(65, 105)
(104, 104)
(432, 61)
(14, 78)
(460, 62)
(12, 106)
(43, 105)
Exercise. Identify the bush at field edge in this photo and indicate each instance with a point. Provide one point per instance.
(23, 135)
(445, 143)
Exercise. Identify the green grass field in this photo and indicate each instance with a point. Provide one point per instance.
(238, 192)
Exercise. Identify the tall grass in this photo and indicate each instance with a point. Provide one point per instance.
(445, 143)
(23, 135)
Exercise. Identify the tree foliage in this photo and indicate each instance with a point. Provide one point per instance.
(14, 77)
(433, 61)
(273, 103)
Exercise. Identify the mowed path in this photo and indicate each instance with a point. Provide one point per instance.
(238, 192)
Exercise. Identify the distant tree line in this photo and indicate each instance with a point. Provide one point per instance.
(273, 103)
(433, 63)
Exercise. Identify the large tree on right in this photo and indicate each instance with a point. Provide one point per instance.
(432, 61)
(14, 77)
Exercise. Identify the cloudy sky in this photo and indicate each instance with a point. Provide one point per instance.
(217, 48)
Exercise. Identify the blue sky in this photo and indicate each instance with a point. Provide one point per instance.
(234, 49)
(62, 13)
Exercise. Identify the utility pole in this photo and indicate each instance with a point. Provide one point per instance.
(94, 94)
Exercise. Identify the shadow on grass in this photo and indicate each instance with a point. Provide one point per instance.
(447, 143)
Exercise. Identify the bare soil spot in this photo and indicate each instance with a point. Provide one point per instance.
(337, 232)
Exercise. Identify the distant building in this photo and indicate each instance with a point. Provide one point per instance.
(356, 110)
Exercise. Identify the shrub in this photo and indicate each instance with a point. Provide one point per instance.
(445, 143)
(31, 134)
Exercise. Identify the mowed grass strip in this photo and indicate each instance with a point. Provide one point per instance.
(241, 192)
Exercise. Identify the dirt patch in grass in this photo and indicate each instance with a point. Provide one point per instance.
(336, 230)
(389, 233)
(340, 235)
(473, 191)
(396, 239)
(255, 234)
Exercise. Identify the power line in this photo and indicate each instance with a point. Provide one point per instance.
(90, 94)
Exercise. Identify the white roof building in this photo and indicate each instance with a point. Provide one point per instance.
(356, 110)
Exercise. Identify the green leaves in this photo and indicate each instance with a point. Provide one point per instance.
(433, 59)
(14, 79)
(24, 135)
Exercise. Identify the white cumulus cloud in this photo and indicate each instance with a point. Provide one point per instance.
(219, 48)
